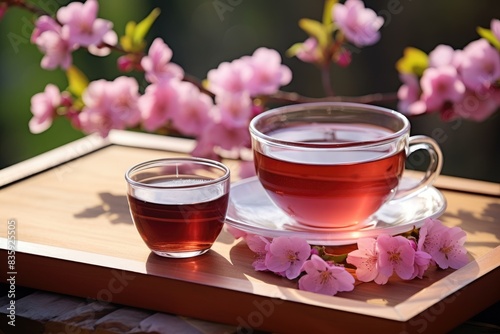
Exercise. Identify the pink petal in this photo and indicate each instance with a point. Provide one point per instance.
(236, 233)
(287, 255)
(44, 23)
(235, 109)
(480, 65)
(396, 254)
(321, 277)
(360, 25)
(256, 243)
(495, 28)
(89, 10)
(365, 260)
(37, 125)
(442, 55)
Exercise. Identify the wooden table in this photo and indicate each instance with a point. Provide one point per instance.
(74, 235)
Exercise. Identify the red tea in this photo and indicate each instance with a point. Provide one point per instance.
(170, 228)
(340, 189)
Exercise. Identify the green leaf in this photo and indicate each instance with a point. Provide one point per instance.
(130, 28)
(488, 35)
(143, 27)
(133, 40)
(317, 30)
(127, 40)
(327, 11)
(294, 49)
(414, 61)
(78, 81)
(337, 258)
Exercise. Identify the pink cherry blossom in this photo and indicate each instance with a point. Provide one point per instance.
(125, 63)
(48, 36)
(430, 234)
(158, 103)
(230, 77)
(56, 50)
(409, 96)
(102, 50)
(129, 62)
(421, 264)
(43, 108)
(365, 259)
(441, 85)
(495, 28)
(110, 105)
(343, 58)
(258, 245)
(452, 252)
(322, 277)
(44, 23)
(395, 255)
(235, 109)
(477, 106)
(227, 138)
(124, 94)
(480, 65)
(95, 121)
(157, 63)
(81, 25)
(444, 55)
(193, 112)
(444, 244)
(287, 255)
(309, 51)
(360, 25)
(268, 74)
(96, 115)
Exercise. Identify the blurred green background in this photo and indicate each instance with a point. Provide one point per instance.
(202, 37)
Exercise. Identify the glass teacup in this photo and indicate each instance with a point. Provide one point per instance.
(178, 205)
(332, 164)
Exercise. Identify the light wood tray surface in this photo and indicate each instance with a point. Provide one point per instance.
(75, 236)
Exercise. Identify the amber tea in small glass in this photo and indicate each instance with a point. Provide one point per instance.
(178, 205)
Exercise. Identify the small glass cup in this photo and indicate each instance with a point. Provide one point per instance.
(333, 165)
(178, 205)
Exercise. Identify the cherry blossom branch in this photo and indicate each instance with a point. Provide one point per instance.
(325, 80)
(27, 6)
(195, 81)
(291, 97)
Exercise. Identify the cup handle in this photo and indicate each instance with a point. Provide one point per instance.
(436, 163)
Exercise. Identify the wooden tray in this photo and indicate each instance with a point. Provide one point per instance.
(74, 235)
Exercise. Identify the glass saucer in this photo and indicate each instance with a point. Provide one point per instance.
(251, 210)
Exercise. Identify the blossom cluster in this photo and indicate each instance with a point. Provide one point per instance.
(375, 259)
(216, 111)
(168, 100)
(76, 26)
(456, 83)
(350, 22)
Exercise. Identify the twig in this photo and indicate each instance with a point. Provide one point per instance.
(28, 6)
(290, 97)
(325, 80)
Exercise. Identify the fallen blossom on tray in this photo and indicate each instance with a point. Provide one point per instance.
(406, 256)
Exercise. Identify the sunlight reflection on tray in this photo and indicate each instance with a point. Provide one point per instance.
(251, 210)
